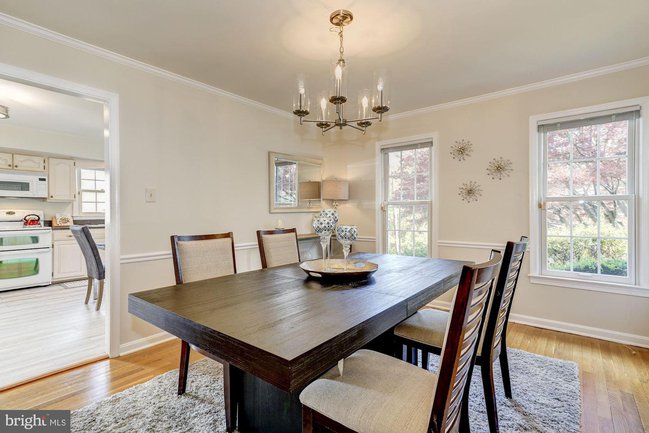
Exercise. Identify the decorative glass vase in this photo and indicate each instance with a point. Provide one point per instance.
(346, 235)
(323, 226)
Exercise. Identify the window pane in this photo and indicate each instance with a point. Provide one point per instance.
(584, 178)
(392, 242)
(558, 180)
(584, 218)
(408, 187)
(584, 255)
(421, 244)
(101, 197)
(612, 176)
(613, 138)
(558, 253)
(88, 207)
(88, 196)
(88, 184)
(406, 218)
(423, 186)
(559, 145)
(394, 192)
(100, 185)
(558, 219)
(101, 207)
(584, 142)
(421, 218)
(393, 217)
(88, 174)
(615, 254)
(100, 175)
(406, 244)
(614, 218)
(394, 162)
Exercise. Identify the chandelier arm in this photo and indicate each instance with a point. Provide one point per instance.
(356, 127)
(363, 119)
(317, 121)
(328, 128)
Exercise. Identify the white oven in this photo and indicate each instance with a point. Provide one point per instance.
(25, 250)
(25, 268)
(23, 185)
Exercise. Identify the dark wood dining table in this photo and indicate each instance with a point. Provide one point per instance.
(280, 330)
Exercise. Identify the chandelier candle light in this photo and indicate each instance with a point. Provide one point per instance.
(379, 99)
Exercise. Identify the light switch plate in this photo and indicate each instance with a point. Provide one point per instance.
(150, 195)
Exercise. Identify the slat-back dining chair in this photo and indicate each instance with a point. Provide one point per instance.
(425, 331)
(278, 247)
(201, 257)
(378, 393)
(94, 266)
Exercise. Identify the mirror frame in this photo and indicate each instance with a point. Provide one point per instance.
(271, 182)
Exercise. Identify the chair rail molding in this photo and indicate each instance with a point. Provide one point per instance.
(570, 328)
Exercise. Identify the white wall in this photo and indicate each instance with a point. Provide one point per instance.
(205, 154)
(497, 128)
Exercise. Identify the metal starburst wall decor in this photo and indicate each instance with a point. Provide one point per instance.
(461, 150)
(470, 191)
(499, 168)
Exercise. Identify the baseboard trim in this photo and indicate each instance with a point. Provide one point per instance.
(143, 343)
(570, 328)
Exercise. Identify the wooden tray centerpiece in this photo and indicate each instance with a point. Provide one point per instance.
(353, 270)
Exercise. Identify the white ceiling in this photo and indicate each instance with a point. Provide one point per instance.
(435, 50)
(36, 108)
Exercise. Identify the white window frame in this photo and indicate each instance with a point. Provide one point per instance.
(638, 283)
(86, 165)
(380, 188)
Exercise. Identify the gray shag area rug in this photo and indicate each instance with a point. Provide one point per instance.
(546, 392)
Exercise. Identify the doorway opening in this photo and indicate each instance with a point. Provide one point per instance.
(57, 160)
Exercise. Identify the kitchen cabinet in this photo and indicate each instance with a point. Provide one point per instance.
(29, 162)
(6, 160)
(67, 259)
(62, 180)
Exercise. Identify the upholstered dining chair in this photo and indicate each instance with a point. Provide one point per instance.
(425, 331)
(94, 266)
(378, 393)
(278, 247)
(201, 257)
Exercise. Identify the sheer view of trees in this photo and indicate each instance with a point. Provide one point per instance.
(408, 181)
(591, 234)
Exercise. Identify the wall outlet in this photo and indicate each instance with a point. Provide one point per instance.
(150, 195)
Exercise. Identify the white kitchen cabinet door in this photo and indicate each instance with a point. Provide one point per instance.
(6, 161)
(68, 261)
(62, 180)
(29, 162)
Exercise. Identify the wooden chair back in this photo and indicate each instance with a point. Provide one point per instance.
(201, 257)
(278, 247)
(459, 348)
(496, 325)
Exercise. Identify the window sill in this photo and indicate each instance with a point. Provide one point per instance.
(596, 286)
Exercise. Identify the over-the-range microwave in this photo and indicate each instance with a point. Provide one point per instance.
(26, 185)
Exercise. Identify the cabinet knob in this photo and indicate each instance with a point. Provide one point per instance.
(15, 166)
(51, 196)
(9, 165)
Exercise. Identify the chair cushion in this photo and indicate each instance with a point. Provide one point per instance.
(376, 393)
(427, 326)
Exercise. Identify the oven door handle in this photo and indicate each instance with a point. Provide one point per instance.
(6, 254)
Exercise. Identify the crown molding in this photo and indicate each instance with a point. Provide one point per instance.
(618, 67)
(53, 36)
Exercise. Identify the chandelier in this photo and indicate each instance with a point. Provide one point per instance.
(337, 95)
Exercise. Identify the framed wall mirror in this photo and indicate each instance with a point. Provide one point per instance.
(295, 183)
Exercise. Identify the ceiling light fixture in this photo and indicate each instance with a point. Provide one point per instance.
(379, 98)
(4, 112)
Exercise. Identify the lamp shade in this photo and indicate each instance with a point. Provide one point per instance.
(335, 190)
(309, 190)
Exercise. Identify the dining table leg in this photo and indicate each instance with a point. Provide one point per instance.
(265, 408)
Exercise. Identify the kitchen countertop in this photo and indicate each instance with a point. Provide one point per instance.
(91, 226)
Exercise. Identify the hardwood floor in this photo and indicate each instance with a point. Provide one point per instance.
(45, 329)
(614, 378)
